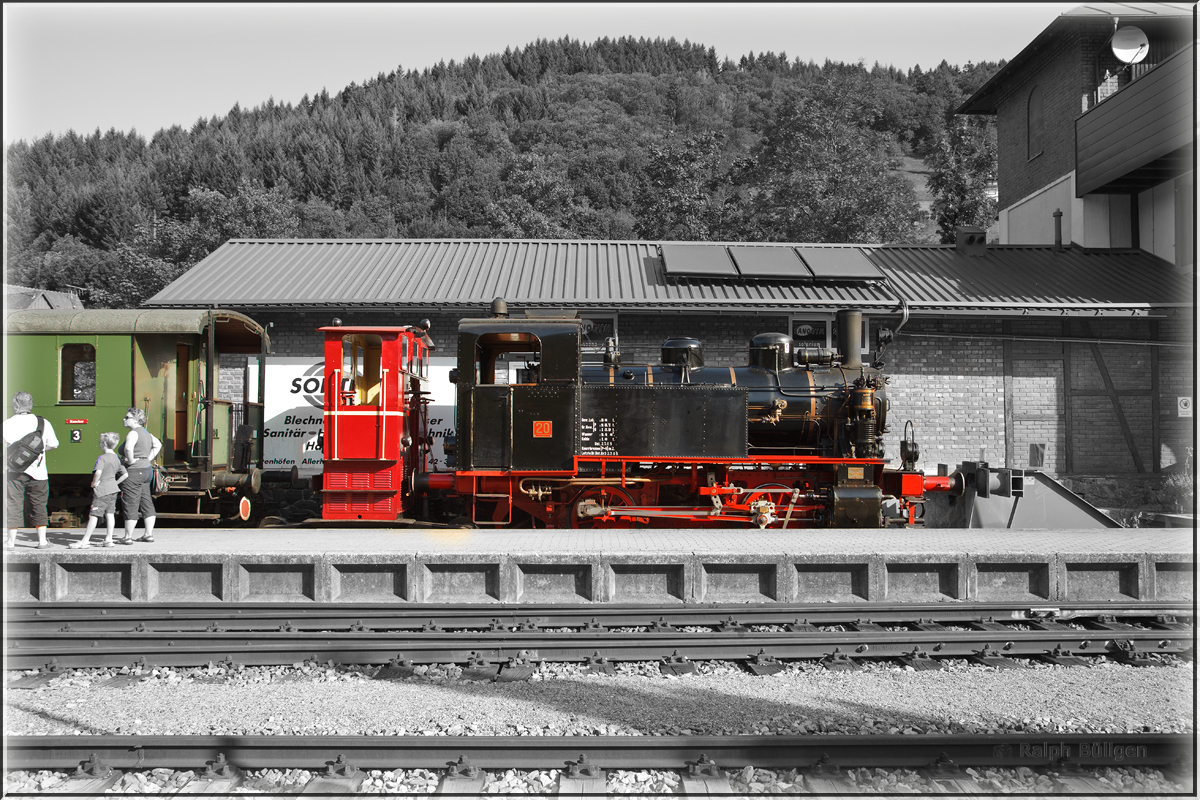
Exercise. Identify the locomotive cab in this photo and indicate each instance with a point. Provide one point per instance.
(528, 423)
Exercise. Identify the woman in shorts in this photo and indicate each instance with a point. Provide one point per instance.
(141, 448)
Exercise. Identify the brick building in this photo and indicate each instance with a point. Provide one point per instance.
(1102, 132)
(1065, 359)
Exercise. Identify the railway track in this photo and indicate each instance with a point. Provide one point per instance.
(704, 764)
(190, 635)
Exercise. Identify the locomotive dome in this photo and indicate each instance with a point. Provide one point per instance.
(771, 351)
(684, 351)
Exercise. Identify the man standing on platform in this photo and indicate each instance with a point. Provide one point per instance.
(33, 484)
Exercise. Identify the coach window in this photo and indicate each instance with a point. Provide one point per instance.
(77, 374)
(361, 360)
(490, 347)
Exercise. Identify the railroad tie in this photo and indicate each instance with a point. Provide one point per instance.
(582, 778)
(462, 778)
(340, 778)
(91, 777)
(703, 778)
(218, 776)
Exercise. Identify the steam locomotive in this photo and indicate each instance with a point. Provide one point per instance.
(792, 439)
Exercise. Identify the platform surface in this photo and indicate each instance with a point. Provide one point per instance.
(459, 541)
(306, 565)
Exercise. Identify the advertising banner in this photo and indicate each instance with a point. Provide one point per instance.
(295, 403)
(295, 416)
(441, 408)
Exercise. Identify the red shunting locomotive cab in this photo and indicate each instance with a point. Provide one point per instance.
(375, 433)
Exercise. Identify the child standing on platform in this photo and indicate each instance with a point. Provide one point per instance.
(109, 472)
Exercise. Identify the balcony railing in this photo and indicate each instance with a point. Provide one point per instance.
(1141, 135)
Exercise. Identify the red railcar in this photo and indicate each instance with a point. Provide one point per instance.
(375, 420)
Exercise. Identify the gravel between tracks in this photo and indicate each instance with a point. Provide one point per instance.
(561, 701)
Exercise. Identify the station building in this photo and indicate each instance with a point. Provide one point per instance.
(1107, 142)
(1067, 347)
(1063, 359)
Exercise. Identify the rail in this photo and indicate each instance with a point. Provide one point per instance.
(53, 642)
(818, 762)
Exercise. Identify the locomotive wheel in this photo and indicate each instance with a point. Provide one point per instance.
(604, 496)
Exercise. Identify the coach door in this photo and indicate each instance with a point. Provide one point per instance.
(182, 379)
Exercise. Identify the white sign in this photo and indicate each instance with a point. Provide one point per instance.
(441, 408)
(1185, 406)
(295, 413)
(295, 416)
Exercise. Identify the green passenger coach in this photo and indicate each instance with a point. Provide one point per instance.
(85, 368)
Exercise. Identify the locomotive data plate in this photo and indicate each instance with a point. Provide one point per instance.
(657, 421)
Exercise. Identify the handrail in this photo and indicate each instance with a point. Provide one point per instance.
(337, 394)
(383, 414)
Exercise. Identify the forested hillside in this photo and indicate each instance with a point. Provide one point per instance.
(618, 139)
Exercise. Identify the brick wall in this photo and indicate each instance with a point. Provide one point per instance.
(1059, 73)
(725, 338)
(231, 376)
(294, 333)
(952, 389)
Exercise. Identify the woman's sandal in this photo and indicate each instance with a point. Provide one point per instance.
(146, 539)
(79, 545)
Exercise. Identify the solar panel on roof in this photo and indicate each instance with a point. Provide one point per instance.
(769, 262)
(839, 264)
(709, 260)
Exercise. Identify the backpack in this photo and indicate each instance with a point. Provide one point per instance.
(27, 449)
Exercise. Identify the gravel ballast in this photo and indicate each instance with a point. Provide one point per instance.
(747, 781)
(562, 701)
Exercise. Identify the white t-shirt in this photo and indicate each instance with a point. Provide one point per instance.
(17, 426)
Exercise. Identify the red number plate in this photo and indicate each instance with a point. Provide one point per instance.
(543, 429)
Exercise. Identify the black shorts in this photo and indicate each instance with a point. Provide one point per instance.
(136, 500)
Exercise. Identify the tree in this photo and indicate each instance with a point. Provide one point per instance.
(538, 201)
(213, 219)
(818, 177)
(678, 199)
(962, 168)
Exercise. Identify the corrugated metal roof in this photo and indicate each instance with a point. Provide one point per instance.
(1033, 277)
(249, 273)
(630, 275)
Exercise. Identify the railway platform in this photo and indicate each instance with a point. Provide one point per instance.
(606, 566)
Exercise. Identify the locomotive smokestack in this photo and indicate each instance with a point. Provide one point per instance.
(850, 338)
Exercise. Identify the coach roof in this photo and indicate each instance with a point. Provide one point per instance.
(235, 332)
